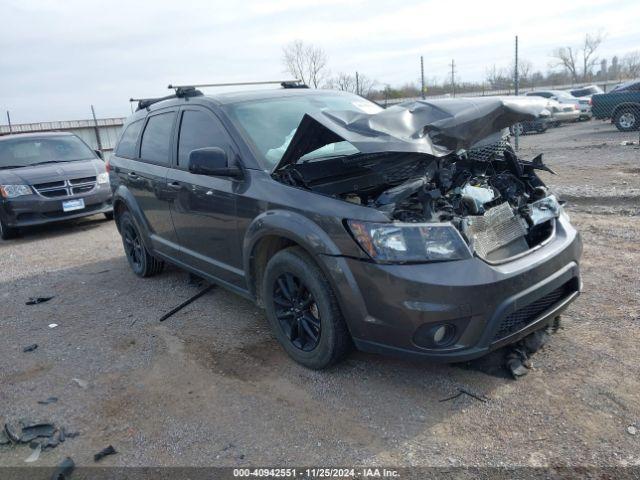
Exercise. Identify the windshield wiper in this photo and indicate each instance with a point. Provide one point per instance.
(5, 167)
(48, 161)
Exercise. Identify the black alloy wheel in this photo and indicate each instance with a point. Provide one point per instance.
(297, 312)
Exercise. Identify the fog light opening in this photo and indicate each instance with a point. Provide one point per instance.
(443, 335)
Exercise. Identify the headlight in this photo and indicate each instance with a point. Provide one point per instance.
(103, 178)
(410, 242)
(13, 191)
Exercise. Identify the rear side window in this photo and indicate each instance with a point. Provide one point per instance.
(129, 140)
(156, 139)
(199, 130)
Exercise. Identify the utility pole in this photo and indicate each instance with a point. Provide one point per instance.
(453, 78)
(97, 130)
(357, 84)
(422, 76)
(516, 82)
(9, 122)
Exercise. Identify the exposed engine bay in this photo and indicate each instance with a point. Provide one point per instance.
(445, 162)
(498, 204)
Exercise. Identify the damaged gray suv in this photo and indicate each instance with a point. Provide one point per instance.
(414, 230)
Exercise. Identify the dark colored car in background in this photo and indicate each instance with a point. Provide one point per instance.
(349, 224)
(47, 177)
(621, 105)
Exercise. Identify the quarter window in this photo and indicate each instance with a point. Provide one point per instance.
(156, 139)
(129, 140)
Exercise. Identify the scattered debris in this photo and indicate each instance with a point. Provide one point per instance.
(32, 432)
(81, 383)
(64, 469)
(35, 454)
(186, 302)
(627, 142)
(30, 348)
(632, 430)
(13, 436)
(4, 439)
(71, 434)
(518, 357)
(62, 434)
(103, 453)
(48, 401)
(53, 325)
(464, 391)
(37, 300)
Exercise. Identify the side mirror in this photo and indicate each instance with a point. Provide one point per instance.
(212, 161)
(99, 154)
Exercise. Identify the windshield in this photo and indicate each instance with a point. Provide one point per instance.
(24, 152)
(271, 123)
(583, 92)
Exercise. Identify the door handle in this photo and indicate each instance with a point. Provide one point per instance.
(132, 175)
(174, 185)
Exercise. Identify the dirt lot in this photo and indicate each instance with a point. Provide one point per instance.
(211, 387)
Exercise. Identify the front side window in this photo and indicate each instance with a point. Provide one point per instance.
(199, 130)
(27, 151)
(129, 140)
(271, 123)
(156, 139)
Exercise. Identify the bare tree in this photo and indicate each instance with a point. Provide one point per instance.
(360, 85)
(305, 62)
(631, 64)
(566, 58)
(591, 44)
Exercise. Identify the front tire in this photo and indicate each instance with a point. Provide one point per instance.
(303, 311)
(6, 232)
(140, 260)
(627, 119)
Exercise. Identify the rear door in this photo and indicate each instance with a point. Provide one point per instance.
(146, 178)
(204, 208)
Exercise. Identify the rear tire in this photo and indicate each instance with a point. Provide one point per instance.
(6, 232)
(627, 119)
(140, 260)
(303, 311)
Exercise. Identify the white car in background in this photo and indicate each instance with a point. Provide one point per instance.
(565, 98)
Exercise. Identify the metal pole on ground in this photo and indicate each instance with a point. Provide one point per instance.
(357, 84)
(9, 122)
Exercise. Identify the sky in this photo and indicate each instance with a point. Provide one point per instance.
(59, 57)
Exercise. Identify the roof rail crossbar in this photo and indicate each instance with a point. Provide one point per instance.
(181, 92)
(240, 84)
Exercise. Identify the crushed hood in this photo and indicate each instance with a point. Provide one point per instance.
(433, 127)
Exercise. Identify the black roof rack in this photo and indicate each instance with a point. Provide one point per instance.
(181, 92)
(283, 83)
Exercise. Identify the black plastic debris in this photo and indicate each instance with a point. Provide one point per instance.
(37, 300)
(71, 434)
(48, 401)
(12, 435)
(4, 439)
(35, 431)
(64, 469)
(518, 359)
(186, 302)
(30, 348)
(103, 453)
(62, 435)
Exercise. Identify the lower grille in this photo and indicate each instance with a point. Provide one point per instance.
(526, 315)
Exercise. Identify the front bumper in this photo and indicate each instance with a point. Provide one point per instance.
(35, 209)
(389, 307)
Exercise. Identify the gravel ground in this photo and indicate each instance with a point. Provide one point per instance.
(210, 386)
